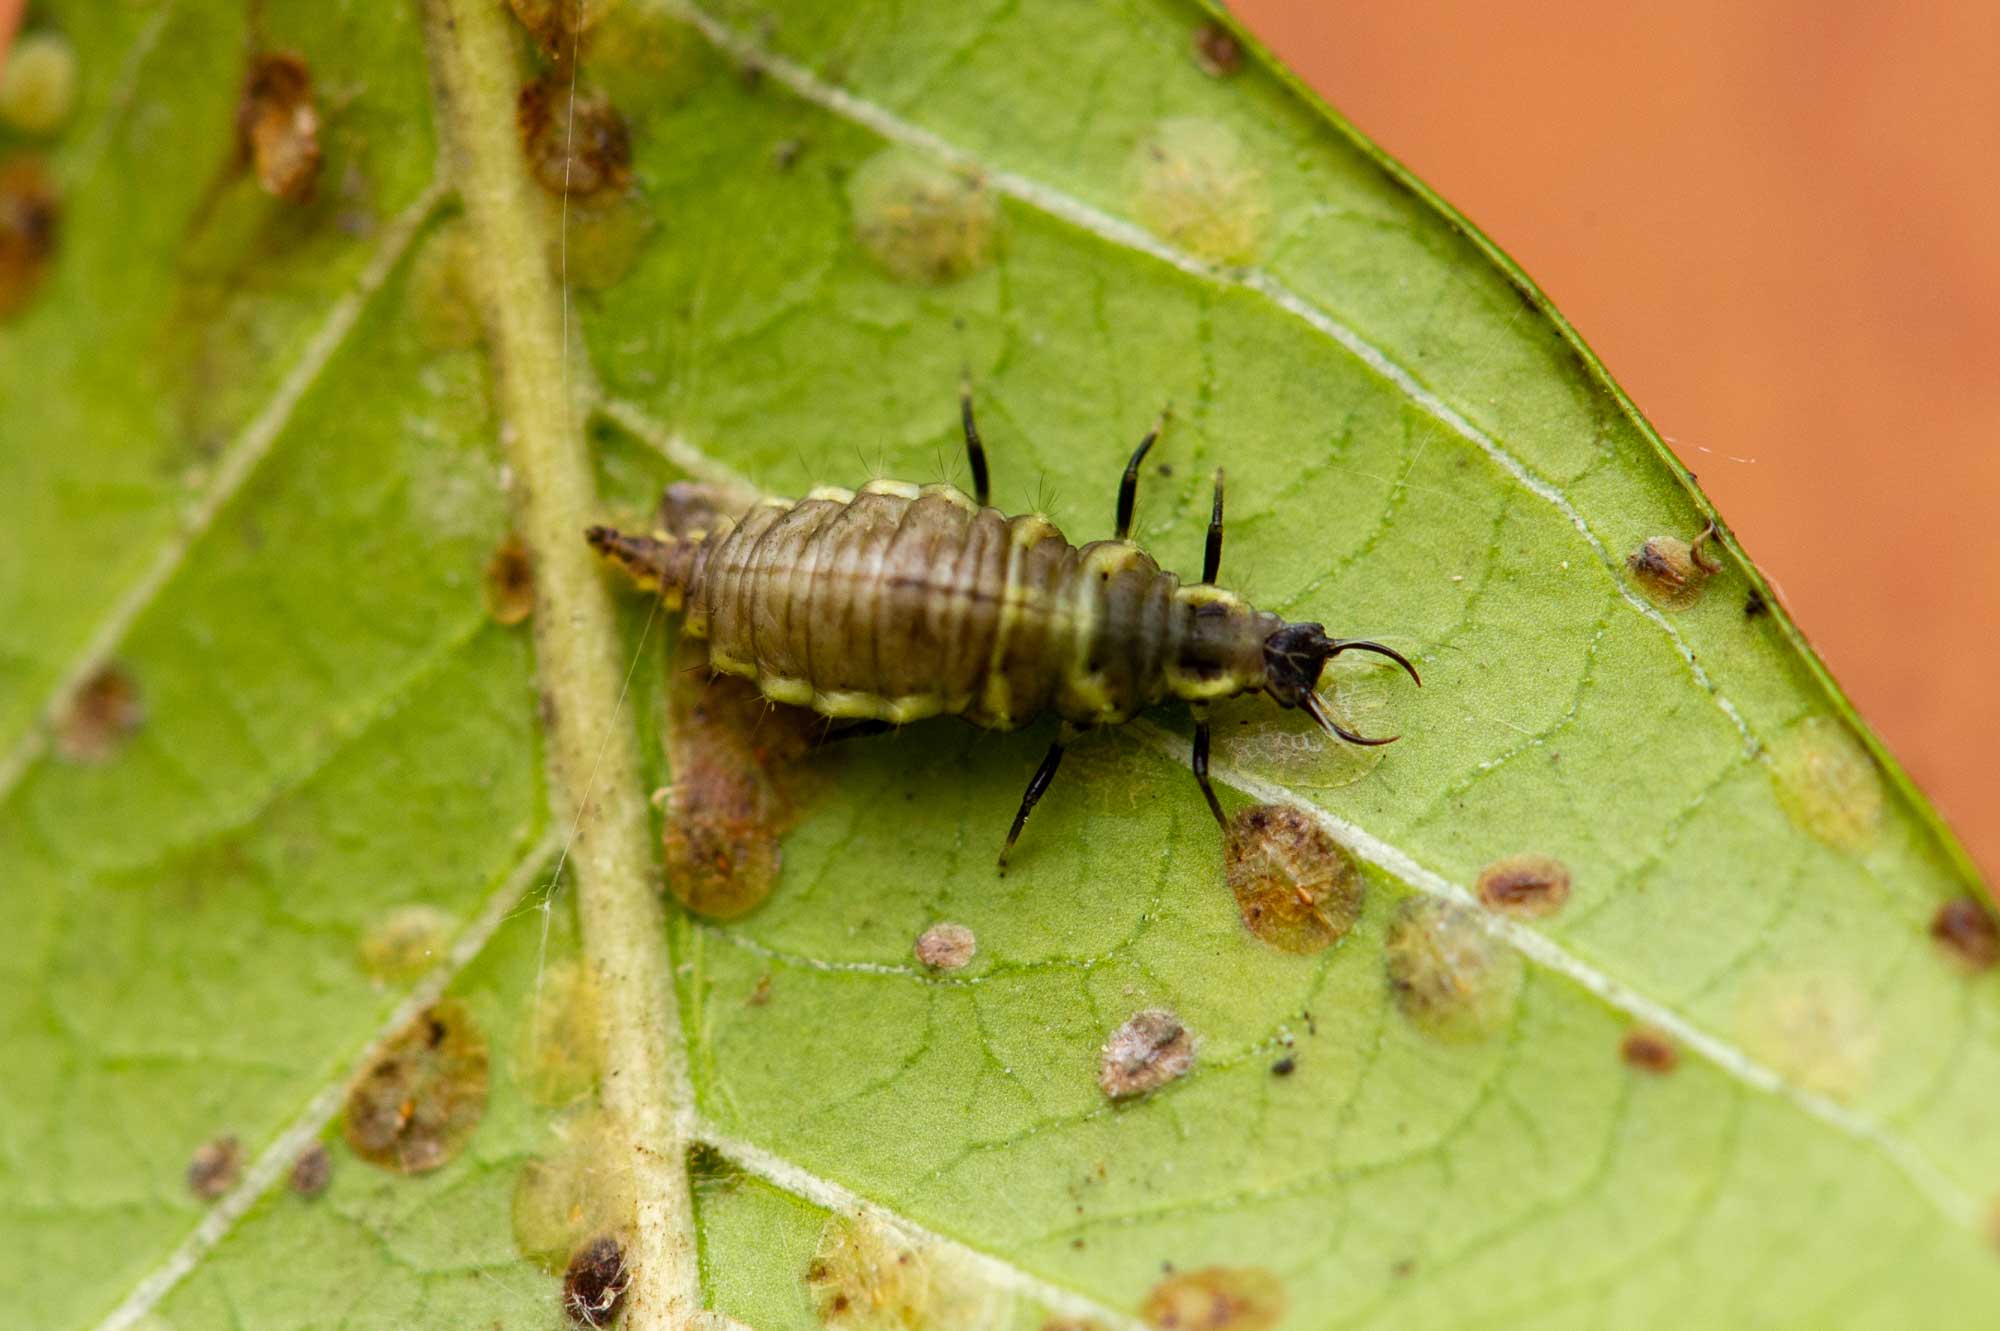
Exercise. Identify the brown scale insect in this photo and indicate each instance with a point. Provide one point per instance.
(902, 602)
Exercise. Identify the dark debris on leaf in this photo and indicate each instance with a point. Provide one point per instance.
(594, 1285)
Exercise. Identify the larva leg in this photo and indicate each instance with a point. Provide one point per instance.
(1128, 487)
(1211, 559)
(1201, 755)
(1036, 785)
(975, 452)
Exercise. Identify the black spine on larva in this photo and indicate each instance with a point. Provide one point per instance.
(899, 603)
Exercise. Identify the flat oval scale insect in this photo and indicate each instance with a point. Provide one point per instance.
(899, 602)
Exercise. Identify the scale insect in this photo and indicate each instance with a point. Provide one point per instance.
(900, 602)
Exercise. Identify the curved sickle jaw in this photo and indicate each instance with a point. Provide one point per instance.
(1317, 705)
(1340, 645)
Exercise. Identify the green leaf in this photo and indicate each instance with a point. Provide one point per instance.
(275, 780)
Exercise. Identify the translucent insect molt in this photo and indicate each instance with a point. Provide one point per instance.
(900, 602)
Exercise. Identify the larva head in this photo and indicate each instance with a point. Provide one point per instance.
(1293, 659)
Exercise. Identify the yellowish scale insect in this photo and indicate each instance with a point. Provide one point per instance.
(900, 602)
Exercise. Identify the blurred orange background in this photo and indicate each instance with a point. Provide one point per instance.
(1774, 221)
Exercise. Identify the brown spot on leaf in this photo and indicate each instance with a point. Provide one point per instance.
(594, 1284)
(574, 144)
(559, 25)
(866, 1276)
(1964, 932)
(1649, 1050)
(215, 1167)
(277, 127)
(1216, 1298)
(1151, 1049)
(1296, 887)
(1669, 571)
(100, 717)
(1527, 887)
(510, 583)
(1451, 979)
(946, 947)
(414, 1108)
(920, 220)
(312, 1171)
(738, 779)
(1216, 50)
(29, 214)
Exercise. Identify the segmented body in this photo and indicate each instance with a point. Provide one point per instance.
(901, 602)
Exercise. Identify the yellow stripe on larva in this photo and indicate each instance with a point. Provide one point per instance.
(1190, 688)
(912, 707)
(957, 497)
(1015, 604)
(720, 658)
(884, 486)
(1202, 593)
(831, 492)
(1101, 562)
(793, 692)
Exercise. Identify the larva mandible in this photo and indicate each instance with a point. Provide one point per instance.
(900, 602)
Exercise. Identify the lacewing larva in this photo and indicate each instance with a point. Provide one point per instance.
(900, 602)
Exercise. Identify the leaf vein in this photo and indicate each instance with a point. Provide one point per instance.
(233, 468)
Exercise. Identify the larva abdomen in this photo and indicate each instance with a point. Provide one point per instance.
(899, 603)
